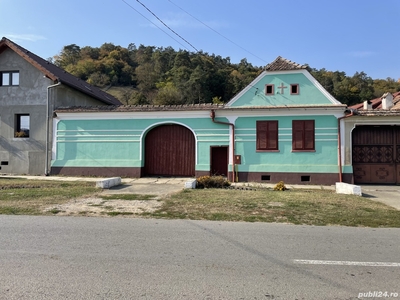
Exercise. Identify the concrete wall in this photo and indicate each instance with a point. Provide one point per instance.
(104, 140)
(26, 155)
(119, 141)
(22, 155)
(65, 96)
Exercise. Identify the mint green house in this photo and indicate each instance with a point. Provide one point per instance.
(282, 126)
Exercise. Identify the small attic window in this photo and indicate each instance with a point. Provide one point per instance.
(294, 89)
(269, 89)
(10, 78)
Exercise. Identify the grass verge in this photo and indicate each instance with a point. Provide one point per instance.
(310, 207)
(30, 197)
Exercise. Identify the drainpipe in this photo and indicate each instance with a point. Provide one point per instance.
(212, 115)
(46, 167)
(340, 142)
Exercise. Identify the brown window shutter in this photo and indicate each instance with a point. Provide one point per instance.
(297, 135)
(262, 129)
(267, 135)
(273, 135)
(309, 135)
(298, 139)
(303, 135)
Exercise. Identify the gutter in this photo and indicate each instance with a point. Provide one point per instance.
(46, 167)
(352, 112)
(212, 115)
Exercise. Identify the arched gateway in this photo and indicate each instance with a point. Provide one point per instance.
(169, 151)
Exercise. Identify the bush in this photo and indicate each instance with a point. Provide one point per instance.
(212, 182)
(280, 186)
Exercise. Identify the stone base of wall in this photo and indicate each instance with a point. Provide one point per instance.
(264, 177)
(202, 173)
(99, 171)
(293, 178)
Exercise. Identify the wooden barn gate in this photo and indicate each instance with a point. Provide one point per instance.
(376, 154)
(169, 151)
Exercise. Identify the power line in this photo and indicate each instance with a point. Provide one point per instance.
(167, 25)
(155, 24)
(218, 32)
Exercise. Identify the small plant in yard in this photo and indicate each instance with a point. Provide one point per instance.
(280, 186)
(212, 182)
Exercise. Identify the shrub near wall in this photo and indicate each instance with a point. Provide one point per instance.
(207, 182)
(280, 186)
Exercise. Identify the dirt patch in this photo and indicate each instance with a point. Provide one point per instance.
(93, 206)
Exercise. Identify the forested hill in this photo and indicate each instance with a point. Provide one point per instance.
(164, 76)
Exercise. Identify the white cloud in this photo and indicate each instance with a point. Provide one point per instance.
(24, 37)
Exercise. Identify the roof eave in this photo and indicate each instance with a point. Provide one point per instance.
(21, 53)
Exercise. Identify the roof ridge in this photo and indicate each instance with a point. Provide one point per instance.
(56, 73)
(283, 64)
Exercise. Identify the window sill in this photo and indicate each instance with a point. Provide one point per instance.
(303, 151)
(268, 151)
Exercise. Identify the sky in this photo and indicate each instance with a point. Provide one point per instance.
(342, 35)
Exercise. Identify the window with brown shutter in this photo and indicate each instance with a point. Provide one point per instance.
(267, 136)
(303, 135)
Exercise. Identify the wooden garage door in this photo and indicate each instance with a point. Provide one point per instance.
(376, 154)
(169, 151)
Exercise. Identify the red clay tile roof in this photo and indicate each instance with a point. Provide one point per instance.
(377, 103)
(283, 64)
(57, 74)
(189, 107)
(138, 108)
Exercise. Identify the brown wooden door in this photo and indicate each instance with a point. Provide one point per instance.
(219, 161)
(169, 151)
(376, 157)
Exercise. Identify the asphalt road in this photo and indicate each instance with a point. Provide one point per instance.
(126, 258)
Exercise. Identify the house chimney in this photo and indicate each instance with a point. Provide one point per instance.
(387, 101)
(367, 105)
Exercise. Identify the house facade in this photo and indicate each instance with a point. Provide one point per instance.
(372, 139)
(282, 126)
(30, 89)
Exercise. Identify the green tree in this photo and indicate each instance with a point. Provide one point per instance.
(165, 76)
(68, 56)
(382, 86)
(138, 98)
(146, 77)
(99, 79)
(168, 94)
